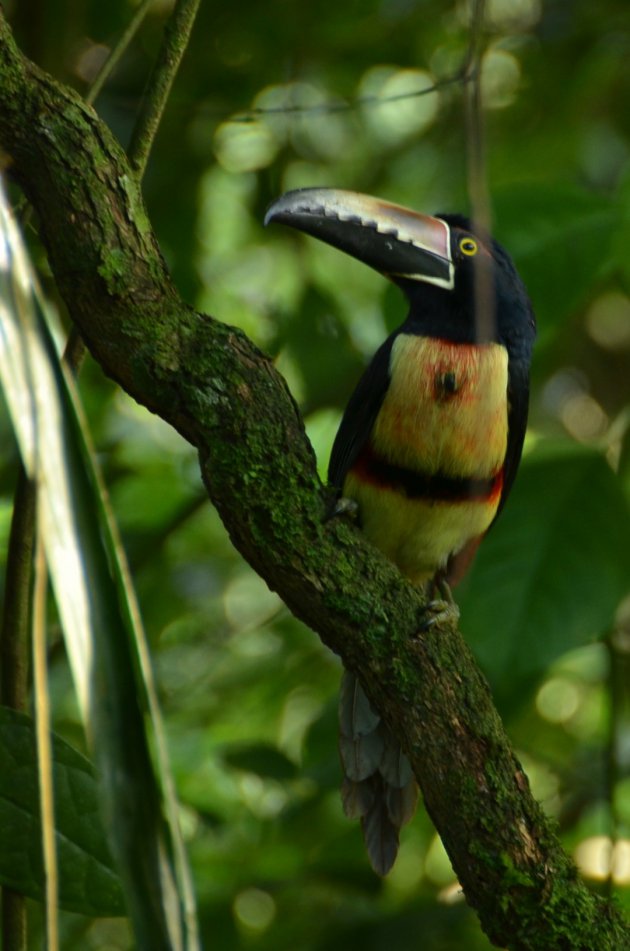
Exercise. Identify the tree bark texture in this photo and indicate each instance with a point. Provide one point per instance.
(226, 398)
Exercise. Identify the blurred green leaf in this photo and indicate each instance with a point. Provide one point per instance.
(88, 881)
(621, 240)
(263, 759)
(320, 342)
(551, 573)
(560, 236)
(623, 466)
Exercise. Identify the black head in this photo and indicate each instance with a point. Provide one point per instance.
(487, 283)
(437, 261)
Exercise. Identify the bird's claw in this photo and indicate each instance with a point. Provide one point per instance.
(342, 507)
(439, 611)
(442, 609)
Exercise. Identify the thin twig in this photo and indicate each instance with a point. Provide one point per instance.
(477, 180)
(117, 52)
(176, 35)
(478, 192)
(75, 347)
(99, 81)
(331, 107)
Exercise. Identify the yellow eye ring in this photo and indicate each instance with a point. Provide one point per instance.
(468, 246)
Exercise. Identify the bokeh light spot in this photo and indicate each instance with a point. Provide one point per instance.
(244, 146)
(608, 321)
(600, 858)
(254, 909)
(558, 700)
(500, 78)
(396, 106)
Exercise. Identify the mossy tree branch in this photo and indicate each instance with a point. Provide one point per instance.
(226, 398)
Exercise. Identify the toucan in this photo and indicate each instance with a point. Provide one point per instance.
(430, 441)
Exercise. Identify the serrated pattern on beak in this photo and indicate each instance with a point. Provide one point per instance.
(317, 210)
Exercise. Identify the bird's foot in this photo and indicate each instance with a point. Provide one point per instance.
(342, 507)
(440, 610)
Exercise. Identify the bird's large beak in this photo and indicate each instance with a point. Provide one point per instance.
(394, 240)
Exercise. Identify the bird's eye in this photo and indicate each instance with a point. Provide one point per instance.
(468, 246)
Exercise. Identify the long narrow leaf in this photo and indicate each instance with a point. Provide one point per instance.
(101, 624)
(44, 748)
(87, 880)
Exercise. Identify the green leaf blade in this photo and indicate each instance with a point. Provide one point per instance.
(102, 628)
(544, 582)
(88, 881)
(561, 238)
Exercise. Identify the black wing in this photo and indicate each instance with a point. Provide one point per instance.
(518, 403)
(360, 414)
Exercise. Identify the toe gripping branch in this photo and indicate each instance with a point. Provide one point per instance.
(339, 507)
(442, 609)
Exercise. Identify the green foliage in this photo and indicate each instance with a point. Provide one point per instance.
(97, 608)
(249, 694)
(88, 880)
(562, 237)
(544, 582)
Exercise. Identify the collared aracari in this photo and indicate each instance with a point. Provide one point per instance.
(430, 441)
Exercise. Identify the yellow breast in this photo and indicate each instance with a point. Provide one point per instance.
(444, 414)
(446, 408)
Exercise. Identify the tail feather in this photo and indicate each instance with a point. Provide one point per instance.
(395, 768)
(378, 785)
(361, 755)
(356, 714)
(401, 803)
(380, 834)
(357, 798)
